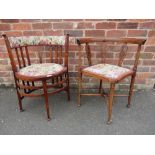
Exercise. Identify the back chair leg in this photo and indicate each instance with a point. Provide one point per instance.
(131, 90)
(68, 87)
(110, 102)
(79, 90)
(46, 99)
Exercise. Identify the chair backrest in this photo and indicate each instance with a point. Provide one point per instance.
(21, 50)
(109, 46)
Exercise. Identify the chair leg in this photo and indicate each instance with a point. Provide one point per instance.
(79, 90)
(131, 90)
(68, 87)
(19, 101)
(110, 102)
(46, 99)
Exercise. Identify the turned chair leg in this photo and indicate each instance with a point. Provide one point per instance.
(79, 90)
(46, 99)
(110, 102)
(131, 90)
(19, 101)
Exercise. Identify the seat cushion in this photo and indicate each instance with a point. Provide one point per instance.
(108, 71)
(41, 70)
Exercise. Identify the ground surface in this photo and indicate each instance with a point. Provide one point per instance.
(67, 118)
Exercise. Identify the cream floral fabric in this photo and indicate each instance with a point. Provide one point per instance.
(108, 71)
(36, 40)
(44, 69)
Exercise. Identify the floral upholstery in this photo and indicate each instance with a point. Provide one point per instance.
(43, 70)
(108, 71)
(36, 40)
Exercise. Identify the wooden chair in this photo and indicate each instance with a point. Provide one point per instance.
(104, 71)
(45, 77)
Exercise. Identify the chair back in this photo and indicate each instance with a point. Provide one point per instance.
(24, 51)
(109, 51)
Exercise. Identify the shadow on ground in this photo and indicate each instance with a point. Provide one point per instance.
(67, 118)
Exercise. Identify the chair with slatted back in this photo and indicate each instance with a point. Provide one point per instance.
(40, 66)
(104, 71)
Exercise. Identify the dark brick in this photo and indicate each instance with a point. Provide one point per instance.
(127, 25)
(74, 33)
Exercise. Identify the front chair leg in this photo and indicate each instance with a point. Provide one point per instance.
(131, 90)
(19, 101)
(46, 99)
(110, 102)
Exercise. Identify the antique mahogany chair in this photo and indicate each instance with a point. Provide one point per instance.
(111, 73)
(40, 66)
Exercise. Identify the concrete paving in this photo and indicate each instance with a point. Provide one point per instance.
(68, 119)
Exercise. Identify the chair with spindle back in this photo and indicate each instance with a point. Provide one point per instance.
(104, 71)
(41, 76)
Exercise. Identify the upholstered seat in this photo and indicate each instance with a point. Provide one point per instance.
(108, 71)
(41, 70)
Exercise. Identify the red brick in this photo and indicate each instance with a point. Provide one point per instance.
(151, 33)
(144, 75)
(139, 20)
(9, 20)
(147, 25)
(116, 20)
(150, 41)
(2, 48)
(152, 69)
(137, 33)
(30, 20)
(5, 27)
(3, 55)
(13, 33)
(115, 33)
(42, 26)
(106, 25)
(95, 33)
(84, 26)
(127, 25)
(73, 48)
(53, 32)
(149, 63)
(143, 69)
(150, 49)
(5, 73)
(94, 20)
(22, 26)
(2, 41)
(128, 62)
(52, 20)
(3, 62)
(73, 20)
(32, 33)
(63, 25)
(146, 55)
(74, 33)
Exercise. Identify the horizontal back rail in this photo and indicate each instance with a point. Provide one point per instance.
(120, 40)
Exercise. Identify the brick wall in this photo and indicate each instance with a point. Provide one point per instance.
(143, 28)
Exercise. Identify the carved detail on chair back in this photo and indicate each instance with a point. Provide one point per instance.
(122, 54)
(88, 53)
